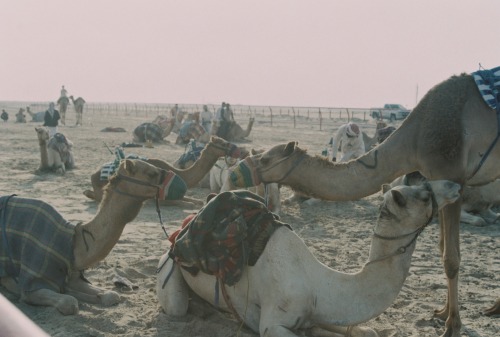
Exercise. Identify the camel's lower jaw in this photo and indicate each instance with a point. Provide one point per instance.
(172, 188)
(245, 174)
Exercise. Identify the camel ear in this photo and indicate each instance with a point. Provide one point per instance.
(385, 188)
(398, 198)
(290, 148)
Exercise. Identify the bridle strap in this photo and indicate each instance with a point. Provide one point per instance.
(290, 170)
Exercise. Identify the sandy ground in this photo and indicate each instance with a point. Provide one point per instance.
(338, 233)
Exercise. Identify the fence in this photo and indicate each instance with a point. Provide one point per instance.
(274, 115)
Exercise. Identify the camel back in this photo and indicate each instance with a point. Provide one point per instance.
(46, 238)
(148, 131)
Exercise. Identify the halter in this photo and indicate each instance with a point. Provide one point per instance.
(416, 233)
(287, 173)
(140, 182)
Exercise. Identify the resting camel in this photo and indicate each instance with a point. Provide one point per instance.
(448, 135)
(192, 130)
(55, 152)
(47, 269)
(382, 131)
(35, 116)
(63, 102)
(78, 105)
(235, 132)
(216, 148)
(219, 182)
(288, 290)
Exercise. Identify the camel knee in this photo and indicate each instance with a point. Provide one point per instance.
(171, 289)
(451, 266)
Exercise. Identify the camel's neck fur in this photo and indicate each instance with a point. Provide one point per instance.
(94, 240)
(44, 156)
(249, 128)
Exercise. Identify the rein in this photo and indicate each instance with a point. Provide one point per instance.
(402, 249)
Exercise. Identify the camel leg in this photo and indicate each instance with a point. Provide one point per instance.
(65, 304)
(471, 219)
(494, 310)
(450, 247)
(489, 216)
(85, 292)
(97, 186)
(173, 294)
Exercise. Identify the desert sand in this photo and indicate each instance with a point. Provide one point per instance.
(338, 233)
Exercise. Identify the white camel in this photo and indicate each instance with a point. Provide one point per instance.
(288, 289)
(55, 152)
(220, 182)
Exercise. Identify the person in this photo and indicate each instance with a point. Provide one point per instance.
(64, 92)
(5, 115)
(51, 119)
(174, 111)
(20, 116)
(225, 118)
(350, 139)
(206, 119)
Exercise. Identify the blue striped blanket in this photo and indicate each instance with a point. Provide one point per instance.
(36, 244)
(488, 83)
(108, 169)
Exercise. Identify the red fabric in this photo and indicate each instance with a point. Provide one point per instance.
(173, 236)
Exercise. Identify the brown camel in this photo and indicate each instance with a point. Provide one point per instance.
(235, 132)
(216, 148)
(63, 102)
(78, 105)
(35, 116)
(55, 153)
(53, 276)
(446, 136)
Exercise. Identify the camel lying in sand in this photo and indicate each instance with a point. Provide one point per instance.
(451, 134)
(288, 290)
(32, 269)
(216, 148)
(36, 116)
(220, 182)
(235, 132)
(56, 152)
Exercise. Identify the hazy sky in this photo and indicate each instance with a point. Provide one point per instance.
(317, 53)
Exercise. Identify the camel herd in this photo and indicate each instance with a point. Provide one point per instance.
(446, 165)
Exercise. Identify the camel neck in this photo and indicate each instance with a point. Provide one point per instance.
(94, 240)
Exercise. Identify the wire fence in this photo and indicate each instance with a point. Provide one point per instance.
(321, 117)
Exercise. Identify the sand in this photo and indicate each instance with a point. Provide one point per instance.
(338, 233)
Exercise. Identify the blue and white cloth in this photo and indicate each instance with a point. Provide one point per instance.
(488, 83)
(107, 170)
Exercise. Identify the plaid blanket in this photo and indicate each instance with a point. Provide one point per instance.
(149, 131)
(191, 153)
(37, 244)
(229, 233)
(108, 169)
(488, 83)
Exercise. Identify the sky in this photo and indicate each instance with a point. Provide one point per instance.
(321, 53)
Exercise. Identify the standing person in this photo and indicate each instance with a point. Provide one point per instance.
(5, 115)
(350, 139)
(64, 92)
(174, 111)
(51, 119)
(206, 119)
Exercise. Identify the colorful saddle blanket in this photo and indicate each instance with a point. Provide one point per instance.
(107, 170)
(192, 153)
(148, 131)
(488, 83)
(36, 245)
(228, 233)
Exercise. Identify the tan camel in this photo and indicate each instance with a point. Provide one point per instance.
(382, 131)
(63, 102)
(78, 105)
(55, 152)
(216, 148)
(446, 136)
(59, 282)
(235, 132)
(220, 182)
(288, 290)
(36, 116)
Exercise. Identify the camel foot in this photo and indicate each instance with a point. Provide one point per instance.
(109, 298)
(494, 310)
(89, 194)
(68, 305)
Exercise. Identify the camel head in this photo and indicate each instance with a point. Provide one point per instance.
(269, 166)
(408, 209)
(226, 148)
(42, 134)
(140, 180)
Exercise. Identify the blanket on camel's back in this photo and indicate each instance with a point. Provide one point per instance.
(228, 233)
(36, 247)
(488, 83)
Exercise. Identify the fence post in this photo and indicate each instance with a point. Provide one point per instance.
(271, 115)
(320, 119)
(293, 117)
(348, 115)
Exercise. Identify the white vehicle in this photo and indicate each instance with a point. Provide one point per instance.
(391, 112)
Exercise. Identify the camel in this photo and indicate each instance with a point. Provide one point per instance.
(191, 154)
(42, 277)
(216, 148)
(288, 290)
(78, 105)
(235, 132)
(220, 182)
(382, 131)
(450, 135)
(192, 130)
(63, 102)
(477, 201)
(55, 152)
(36, 116)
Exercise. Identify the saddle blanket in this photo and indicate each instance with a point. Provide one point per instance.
(107, 170)
(228, 233)
(488, 83)
(37, 244)
(192, 153)
(149, 131)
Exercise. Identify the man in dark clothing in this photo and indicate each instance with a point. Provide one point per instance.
(51, 120)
